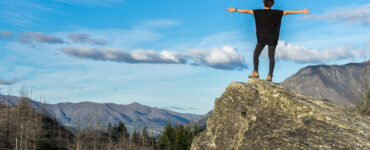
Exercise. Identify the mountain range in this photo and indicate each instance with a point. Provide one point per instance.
(134, 115)
(341, 84)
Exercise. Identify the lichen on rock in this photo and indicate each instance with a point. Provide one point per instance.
(264, 115)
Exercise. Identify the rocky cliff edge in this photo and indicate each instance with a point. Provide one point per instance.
(264, 115)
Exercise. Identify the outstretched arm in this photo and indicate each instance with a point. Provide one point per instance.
(304, 11)
(240, 10)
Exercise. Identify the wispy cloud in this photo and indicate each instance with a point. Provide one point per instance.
(225, 58)
(6, 34)
(9, 82)
(179, 108)
(22, 13)
(85, 38)
(300, 54)
(160, 22)
(30, 38)
(124, 38)
(92, 2)
(73, 87)
(356, 16)
(17, 18)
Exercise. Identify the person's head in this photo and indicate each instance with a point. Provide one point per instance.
(268, 3)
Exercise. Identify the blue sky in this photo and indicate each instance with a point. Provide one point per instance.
(178, 55)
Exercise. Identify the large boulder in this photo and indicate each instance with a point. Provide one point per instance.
(264, 115)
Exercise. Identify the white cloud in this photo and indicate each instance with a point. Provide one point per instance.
(31, 38)
(357, 16)
(136, 56)
(225, 58)
(85, 38)
(289, 51)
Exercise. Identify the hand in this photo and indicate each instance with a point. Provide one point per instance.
(231, 9)
(306, 11)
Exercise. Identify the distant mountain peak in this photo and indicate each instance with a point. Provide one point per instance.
(339, 83)
(135, 103)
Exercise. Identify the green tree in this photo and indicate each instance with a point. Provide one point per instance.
(118, 131)
(167, 138)
(188, 136)
(123, 130)
(180, 138)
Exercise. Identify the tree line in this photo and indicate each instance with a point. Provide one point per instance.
(22, 127)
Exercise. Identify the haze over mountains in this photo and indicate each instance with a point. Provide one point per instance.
(134, 115)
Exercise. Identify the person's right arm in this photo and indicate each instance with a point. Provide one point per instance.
(245, 11)
(304, 11)
(240, 10)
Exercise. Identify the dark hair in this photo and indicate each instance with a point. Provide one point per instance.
(268, 3)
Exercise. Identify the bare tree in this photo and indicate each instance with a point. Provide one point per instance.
(364, 105)
(79, 131)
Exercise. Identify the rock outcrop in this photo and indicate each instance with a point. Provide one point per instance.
(263, 115)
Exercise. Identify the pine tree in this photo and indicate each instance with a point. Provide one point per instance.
(188, 136)
(167, 138)
(180, 139)
(123, 130)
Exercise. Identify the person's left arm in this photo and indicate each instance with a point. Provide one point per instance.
(304, 11)
(240, 10)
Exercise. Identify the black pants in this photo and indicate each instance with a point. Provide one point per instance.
(271, 52)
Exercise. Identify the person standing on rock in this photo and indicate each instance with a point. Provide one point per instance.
(268, 23)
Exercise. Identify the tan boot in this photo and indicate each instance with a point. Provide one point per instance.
(269, 78)
(254, 75)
